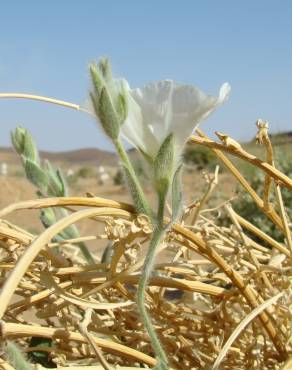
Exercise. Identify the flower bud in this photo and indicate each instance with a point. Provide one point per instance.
(24, 144)
(109, 98)
(17, 138)
(97, 80)
(105, 69)
(107, 115)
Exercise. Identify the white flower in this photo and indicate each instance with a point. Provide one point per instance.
(165, 107)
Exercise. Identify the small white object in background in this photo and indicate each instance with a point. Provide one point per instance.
(3, 169)
(103, 178)
(101, 169)
(70, 172)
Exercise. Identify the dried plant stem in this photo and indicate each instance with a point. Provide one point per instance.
(211, 186)
(41, 98)
(284, 217)
(91, 368)
(83, 327)
(32, 251)
(247, 245)
(246, 321)
(264, 137)
(37, 297)
(5, 366)
(268, 178)
(272, 242)
(242, 154)
(11, 330)
(182, 284)
(65, 201)
(246, 290)
(287, 365)
(218, 148)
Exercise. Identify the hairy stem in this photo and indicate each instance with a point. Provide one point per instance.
(157, 237)
(135, 187)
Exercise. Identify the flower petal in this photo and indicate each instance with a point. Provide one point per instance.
(224, 93)
(136, 132)
(155, 101)
(190, 107)
(165, 107)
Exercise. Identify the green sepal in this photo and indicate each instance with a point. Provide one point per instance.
(122, 108)
(106, 113)
(163, 166)
(105, 69)
(176, 193)
(96, 78)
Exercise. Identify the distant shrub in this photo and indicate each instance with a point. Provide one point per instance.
(18, 173)
(86, 172)
(199, 156)
(119, 177)
(246, 207)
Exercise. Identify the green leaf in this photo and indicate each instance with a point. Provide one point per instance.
(48, 217)
(30, 150)
(107, 253)
(36, 175)
(63, 183)
(41, 357)
(57, 184)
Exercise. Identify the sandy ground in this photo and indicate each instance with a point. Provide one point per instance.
(17, 188)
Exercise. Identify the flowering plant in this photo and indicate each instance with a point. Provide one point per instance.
(157, 120)
(163, 108)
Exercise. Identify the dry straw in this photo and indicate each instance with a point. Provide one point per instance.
(223, 297)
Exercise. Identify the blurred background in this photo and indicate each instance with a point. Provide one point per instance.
(45, 48)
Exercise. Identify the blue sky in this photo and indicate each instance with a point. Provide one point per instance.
(45, 48)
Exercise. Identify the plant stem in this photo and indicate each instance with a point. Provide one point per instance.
(136, 190)
(41, 98)
(87, 255)
(158, 234)
(157, 237)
